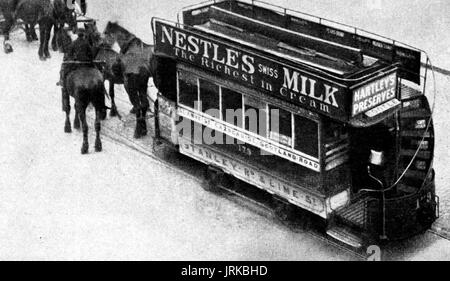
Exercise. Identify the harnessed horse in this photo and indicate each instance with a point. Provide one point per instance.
(86, 85)
(46, 13)
(135, 67)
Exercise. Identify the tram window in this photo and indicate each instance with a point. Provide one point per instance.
(188, 91)
(306, 136)
(232, 107)
(255, 116)
(280, 125)
(209, 98)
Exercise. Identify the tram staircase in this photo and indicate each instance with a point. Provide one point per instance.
(359, 223)
(2, 24)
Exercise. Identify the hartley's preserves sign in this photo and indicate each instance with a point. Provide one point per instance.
(274, 78)
(374, 93)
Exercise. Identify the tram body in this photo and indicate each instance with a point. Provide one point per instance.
(324, 119)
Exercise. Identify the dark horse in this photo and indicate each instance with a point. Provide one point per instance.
(86, 85)
(46, 13)
(110, 57)
(104, 52)
(135, 67)
(62, 15)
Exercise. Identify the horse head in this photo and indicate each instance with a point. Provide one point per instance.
(65, 14)
(63, 39)
(115, 33)
(93, 35)
(77, 8)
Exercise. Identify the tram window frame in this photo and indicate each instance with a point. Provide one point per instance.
(311, 150)
(277, 136)
(250, 105)
(292, 143)
(238, 122)
(208, 88)
(190, 78)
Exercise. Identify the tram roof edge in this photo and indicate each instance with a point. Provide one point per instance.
(344, 41)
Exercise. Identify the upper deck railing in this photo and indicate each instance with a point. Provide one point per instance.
(359, 32)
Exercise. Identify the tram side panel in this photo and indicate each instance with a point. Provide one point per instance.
(246, 159)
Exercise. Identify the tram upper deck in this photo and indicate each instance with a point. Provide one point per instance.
(346, 53)
(330, 71)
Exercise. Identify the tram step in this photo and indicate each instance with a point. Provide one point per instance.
(417, 165)
(411, 144)
(415, 123)
(413, 104)
(416, 113)
(407, 189)
(411, 152)
(346, 236)
(354, 214)
(415, 133)
(415, 174)
(409, 93)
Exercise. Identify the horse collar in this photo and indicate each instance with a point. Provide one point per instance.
(127, 45)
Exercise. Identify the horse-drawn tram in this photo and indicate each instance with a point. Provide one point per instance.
(323, 118)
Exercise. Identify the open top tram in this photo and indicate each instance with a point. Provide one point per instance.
(321, 116)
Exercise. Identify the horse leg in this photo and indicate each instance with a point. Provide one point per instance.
(33, 33)
(138, 130)
(144, 108)
(76, 121)
(66, 108)
(48, 30)
(9, 21)
(131, 87)
(41, 43)
(82, 113)
(98, 142)
(55, 33)
(28, 32)
(113, 112)
(133, 95)
(44, 32)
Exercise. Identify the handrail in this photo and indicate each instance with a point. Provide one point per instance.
(320, 20)
(202, 4)
(379, 72)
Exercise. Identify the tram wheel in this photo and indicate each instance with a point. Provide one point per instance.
(283, 211)
(213, 178)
